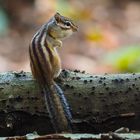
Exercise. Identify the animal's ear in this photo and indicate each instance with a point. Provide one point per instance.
(57, 17)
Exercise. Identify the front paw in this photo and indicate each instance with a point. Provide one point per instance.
(57, 43)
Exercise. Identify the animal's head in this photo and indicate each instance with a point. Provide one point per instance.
(61, 27)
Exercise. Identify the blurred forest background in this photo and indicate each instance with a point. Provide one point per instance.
(108, 40)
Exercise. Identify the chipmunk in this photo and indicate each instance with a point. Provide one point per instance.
(46, 66)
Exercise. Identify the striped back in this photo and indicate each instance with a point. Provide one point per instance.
(40, 56)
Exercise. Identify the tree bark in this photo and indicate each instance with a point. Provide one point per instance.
(99, 103)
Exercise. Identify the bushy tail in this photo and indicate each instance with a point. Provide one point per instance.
(64, 102)
(58, 108)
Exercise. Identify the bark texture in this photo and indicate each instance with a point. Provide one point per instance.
(99, 103)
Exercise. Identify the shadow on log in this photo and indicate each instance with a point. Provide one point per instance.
(99, 103)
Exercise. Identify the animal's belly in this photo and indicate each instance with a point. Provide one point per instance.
(56, 65)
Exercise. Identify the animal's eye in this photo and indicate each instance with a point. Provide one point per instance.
(67, 23)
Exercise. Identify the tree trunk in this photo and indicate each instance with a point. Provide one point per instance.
(99, 103)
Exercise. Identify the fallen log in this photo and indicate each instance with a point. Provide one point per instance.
(99, 103)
